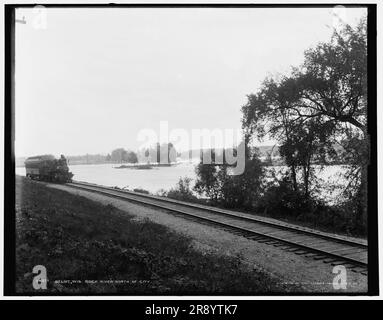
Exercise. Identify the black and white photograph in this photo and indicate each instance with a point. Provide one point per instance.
(190, 150)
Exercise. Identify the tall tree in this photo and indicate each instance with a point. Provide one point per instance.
(333, 79)
(326, 95)
(270, 113)
(119, 155)
(131, 157)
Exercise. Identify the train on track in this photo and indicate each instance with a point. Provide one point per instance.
(48, 168)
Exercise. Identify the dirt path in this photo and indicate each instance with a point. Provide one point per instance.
(288, 268)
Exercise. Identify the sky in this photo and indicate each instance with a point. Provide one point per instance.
(90, 80)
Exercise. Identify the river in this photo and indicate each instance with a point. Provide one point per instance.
(167, 177)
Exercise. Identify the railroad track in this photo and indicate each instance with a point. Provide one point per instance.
(332, 249)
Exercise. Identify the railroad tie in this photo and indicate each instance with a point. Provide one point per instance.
(301, 252)
(319, 257)
(358, 269)
(330, 260)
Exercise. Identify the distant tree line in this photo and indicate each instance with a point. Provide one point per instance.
(158, 153)
(119, 155)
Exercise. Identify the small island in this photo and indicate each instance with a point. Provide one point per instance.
(139, 166)
(144, 166)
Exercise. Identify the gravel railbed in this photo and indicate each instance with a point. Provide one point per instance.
(290, 269)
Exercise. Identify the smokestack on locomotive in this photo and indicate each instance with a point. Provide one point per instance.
(48, 168)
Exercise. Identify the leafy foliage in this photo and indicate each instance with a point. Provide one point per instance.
(231, 191)
(183, 191)
(121, 155)
(321, 104)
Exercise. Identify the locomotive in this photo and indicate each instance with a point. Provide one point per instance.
(48, 168)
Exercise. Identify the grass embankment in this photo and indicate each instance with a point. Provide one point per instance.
(78, 239)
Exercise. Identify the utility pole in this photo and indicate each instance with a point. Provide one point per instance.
(23, 21)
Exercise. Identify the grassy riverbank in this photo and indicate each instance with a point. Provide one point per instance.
(77, 239)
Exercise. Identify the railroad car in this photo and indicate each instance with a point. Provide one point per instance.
(48, 168)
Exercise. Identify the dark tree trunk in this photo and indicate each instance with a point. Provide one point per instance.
(306, 173)
(361, 219)
(294, 178)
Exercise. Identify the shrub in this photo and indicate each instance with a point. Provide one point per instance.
(231, 191)
(182, 191)
(282, 201)
(140, 190)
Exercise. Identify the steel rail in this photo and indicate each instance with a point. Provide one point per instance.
(143, 199)
(281, 226)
